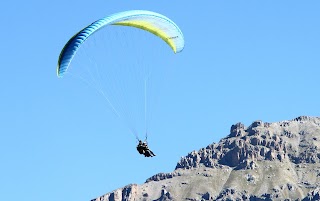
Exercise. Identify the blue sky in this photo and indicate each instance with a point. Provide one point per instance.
(243, 61)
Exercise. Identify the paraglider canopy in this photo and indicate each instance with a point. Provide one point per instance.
(152, 22)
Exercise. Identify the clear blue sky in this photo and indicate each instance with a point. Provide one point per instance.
(243, 61)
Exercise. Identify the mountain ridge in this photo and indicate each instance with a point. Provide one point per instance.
(264, 161)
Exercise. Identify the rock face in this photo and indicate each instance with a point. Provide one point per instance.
(265, 161)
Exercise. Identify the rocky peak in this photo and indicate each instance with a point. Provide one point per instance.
(293, 140)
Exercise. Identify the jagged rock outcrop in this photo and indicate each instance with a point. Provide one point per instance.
(264, 161)
(126, 193)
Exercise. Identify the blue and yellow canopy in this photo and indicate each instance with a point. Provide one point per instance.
(152, 22)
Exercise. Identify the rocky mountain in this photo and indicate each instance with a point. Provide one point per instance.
(264, 161)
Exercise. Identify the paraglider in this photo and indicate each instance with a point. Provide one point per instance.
(148, 21)
(143, 148)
